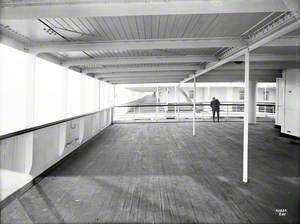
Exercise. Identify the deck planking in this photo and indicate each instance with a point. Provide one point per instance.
(160, 173)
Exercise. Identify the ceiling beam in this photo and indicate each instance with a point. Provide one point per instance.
(169, 59)
(122, 45)
(152, 44)
(237, 78)
(142, 68)
(145, 74)
(241, 72)
(139, 60)
(205, 78)
(168, 74)
(143, 78)
(92, 8)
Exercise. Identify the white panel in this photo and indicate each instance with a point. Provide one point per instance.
(292, 122)
(74, 93)
(96, 123)
(13, 89)
(292, 102)
(72, 136)
(48, 92)
(88, 127)
(45, 149)
(90, 95)
(26, 156)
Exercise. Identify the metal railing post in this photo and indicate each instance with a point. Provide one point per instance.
(246, 117)
(194, 108)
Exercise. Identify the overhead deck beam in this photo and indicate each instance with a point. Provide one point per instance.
(142, 69)
(157, 68)
(182, 43)
(135, 80)
(218, 73)
(270, 78)
(146, 74)
(140, 60)
(146, 78)
(48, 9)
(170, 59)
(187, 43)
(237, 72)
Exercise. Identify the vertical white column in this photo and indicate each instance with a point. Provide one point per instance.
(156, 108)
(113, 109)
(99, 95)
(178, 101)
(2, 97)
(30, 95)
(194, 107)
(175, 100)
(246, 116)
(252, 102)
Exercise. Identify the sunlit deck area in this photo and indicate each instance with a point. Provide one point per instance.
(160, 173)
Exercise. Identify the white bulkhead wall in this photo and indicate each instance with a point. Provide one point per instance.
(291, 102)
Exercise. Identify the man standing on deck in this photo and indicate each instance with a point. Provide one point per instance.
(215, 106)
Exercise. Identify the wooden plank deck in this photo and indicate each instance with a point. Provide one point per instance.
(160, 173)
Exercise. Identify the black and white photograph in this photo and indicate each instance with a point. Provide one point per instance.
(150, 111)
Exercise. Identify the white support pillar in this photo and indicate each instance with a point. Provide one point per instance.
(252, 102)
(99, 95)
(156, 108)
(175, 100)
(113, 109)
(194, 107)
(246, 118)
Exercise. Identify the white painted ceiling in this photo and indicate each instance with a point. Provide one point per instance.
(172, 26)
